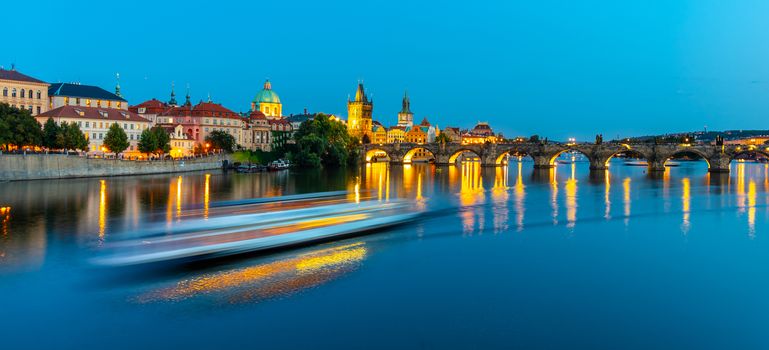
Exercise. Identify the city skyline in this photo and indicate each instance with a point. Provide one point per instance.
(635, 70)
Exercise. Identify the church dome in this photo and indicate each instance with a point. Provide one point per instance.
(267, 95)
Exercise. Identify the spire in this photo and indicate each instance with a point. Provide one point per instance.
(117, 86)
(267, 85)
(360, 94)
(187, 102)
(406, 103)
(209, 97)
(172, 101)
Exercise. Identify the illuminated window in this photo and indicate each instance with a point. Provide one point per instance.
(98, 103)
(118, 104)
(88, 102)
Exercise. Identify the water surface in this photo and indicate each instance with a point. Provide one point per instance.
(558, 258)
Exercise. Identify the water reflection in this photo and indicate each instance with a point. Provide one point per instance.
(265, 280)
(686, 198)
(519, 190)
(571, 198)
(626, 199)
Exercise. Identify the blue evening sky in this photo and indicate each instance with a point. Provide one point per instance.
(551, 67)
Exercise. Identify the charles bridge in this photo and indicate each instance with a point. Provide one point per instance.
(544, 154)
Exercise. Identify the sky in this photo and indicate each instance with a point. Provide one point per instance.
(555, 68)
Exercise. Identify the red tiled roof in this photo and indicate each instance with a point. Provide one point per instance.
(152, 106)
(257, 115)
(13, 74)
(92, 113)
(202, 109)
(279, 121)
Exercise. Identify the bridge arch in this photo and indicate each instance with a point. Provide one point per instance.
(503, 156)
(552, 158)
(377, 154)
(454, 156)
(418, 151)
(748, 151)
(686, 151)
(625, 150)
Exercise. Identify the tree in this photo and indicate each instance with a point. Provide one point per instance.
(443, 138)
(18, 127)
(324, 141)
(50, 134)
(116, 140)
(70, 137)
(219, 139)
(154, 141)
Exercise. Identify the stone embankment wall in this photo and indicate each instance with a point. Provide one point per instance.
(15, 167)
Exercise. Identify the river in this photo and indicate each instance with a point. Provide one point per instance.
(557, 258)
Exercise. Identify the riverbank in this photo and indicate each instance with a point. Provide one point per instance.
(55, 166)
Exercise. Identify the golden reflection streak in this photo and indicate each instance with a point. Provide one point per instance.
(5, 215)
(741, 187)
(626, 199)
(607, 195)
(179, 196)
(520, 195)
(379, 187)
(419, 187)
(752, 208)
(387, 182)
(207, 196)
(102, 208)
(571, 198)
(686, 203)
(274, 275)
(470, 193)
(500, 197)
(554, 194)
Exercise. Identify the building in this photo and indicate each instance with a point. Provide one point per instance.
(396, 134)
(415, 135)
(95, 122)
(479, 134)
(23, 92)
(182, 145)
(296, 120)
(282, 132)
(258, 132)
(359, 114)
(453, 133)
(405, 117)
(150, 110)
(202, 119)
(75, 94)
(267, 102)
(430, 130)
(379, 135)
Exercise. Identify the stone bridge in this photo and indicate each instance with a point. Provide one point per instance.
(544, 155)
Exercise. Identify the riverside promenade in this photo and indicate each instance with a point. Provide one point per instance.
(19, 167)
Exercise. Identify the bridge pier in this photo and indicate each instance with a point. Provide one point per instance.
(656, 166)
(719, 163)
(542, 162)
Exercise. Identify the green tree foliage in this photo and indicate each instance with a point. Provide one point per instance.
(322, 141)
(51, 132)
(443, 138)
(71, 137)
(220, 140)
(154, 141)
(18, 127)
(116, 140)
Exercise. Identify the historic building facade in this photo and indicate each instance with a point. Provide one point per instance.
(95, 122)
(23, 92)
(267, 102)
(359, 114)
(69, 94)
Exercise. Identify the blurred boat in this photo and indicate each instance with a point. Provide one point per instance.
(280, 164)
(636, 163)
(199, 239)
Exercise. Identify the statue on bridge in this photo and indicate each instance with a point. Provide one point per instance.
(719, 140)
(598, 139)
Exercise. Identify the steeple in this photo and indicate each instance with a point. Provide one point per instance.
(267, 85)
(187, 102)
(117, 86)
(360, 94)
(172, 101)
(209, 97)
(406, 103)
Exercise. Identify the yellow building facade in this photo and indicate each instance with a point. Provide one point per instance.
(23, 92)
(396, 135)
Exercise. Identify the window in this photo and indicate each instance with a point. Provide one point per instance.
(125, 126)
(98, 103)
(13, 92)
(22, 93)
(87, 102)
(5, 92)
(93, 136)
(66, 101)
(38, 109)
(118, 104)
(39, 95)
(109, 104)
(132, 126)
(86, 124)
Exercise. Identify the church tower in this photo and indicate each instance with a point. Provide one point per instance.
(359, 113)
(405, 117)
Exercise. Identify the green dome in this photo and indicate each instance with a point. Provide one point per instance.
(267, 95)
